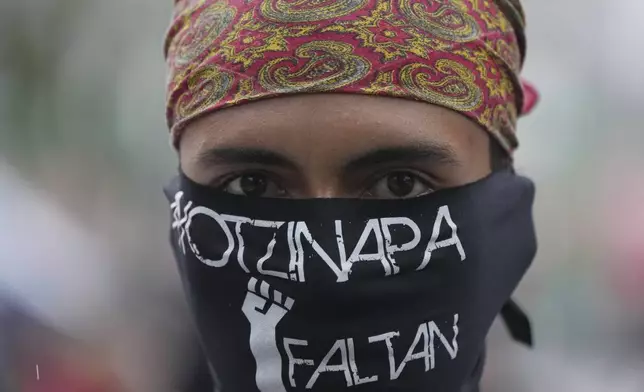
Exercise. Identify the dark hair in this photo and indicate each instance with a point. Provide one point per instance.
(499, 158)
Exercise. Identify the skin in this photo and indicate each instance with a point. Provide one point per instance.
(334, 145)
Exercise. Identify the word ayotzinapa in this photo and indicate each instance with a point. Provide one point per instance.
(380, 240)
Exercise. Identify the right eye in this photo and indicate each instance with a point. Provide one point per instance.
(253, 185)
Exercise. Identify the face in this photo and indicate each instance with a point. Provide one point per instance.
(334, 145)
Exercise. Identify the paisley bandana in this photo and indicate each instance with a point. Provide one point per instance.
(465, 55)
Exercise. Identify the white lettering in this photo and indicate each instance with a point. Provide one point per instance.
(354, 366)
(222, 223)
(302, 230)
(421, 333)
(292, 361)
(435, 331)
(340, 345)
(422, 347)
(179, 219)
(339, 237)
(390, 349)
(297, 232)
(262, 260)
(296, 259)
(389, 247)
(239, 221)
(240, 250)
(373, 226)
(443, 214)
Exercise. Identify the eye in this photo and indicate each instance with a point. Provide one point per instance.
(253, 185)
(399, 185)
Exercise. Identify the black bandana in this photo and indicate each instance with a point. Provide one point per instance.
(348, 294)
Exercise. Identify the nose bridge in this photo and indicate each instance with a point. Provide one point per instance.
(324, 184)
(320, 165)
(325, 192)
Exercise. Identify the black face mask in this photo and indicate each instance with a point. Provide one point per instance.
(348, 294)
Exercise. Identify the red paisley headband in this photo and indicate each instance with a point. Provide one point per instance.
(460, 54)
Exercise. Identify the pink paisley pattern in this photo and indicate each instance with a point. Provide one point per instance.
(461, 54)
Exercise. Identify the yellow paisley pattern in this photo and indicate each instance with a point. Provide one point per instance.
(455, 86)
(492, 21)
(307, 10)
(198, 37)
(241, 47)
(330, 65)
(387, 34)
(245, 92)
(495, 78)
(447, 22)
(383, 84)
(460, 54)
(508, 53)
(206, 87)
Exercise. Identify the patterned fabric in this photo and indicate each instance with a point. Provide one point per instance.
(461, 54)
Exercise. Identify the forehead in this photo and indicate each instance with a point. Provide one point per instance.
(333, 126)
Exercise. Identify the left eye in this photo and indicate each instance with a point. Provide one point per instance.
(399, 185)
(253, 185)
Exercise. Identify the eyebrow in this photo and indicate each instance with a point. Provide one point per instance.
(432, 153)
(232, 156)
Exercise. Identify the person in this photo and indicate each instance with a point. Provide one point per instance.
(346, 215)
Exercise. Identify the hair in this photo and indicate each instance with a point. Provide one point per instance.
(499, 157)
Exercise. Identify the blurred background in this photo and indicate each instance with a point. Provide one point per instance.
(84, 153)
